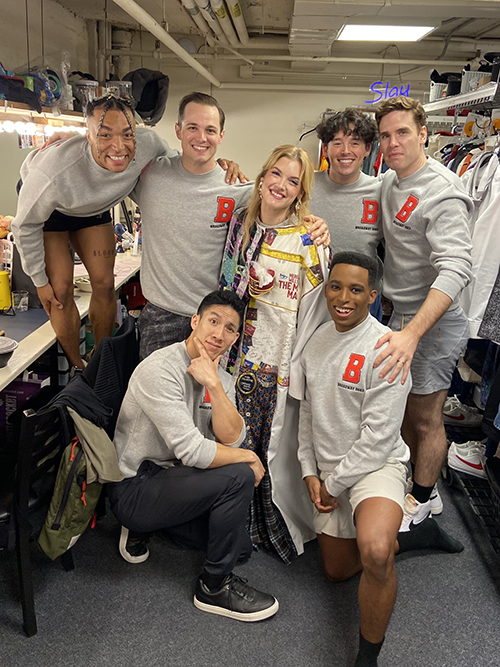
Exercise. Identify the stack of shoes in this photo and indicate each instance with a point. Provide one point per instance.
(456, 412)
(133, 546)
(468, 457)
(436, 504)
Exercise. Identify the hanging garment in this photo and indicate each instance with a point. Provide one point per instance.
(482, 182)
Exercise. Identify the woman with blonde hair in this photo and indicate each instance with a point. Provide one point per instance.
(271, 263)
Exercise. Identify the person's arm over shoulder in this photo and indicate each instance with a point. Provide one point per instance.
(379, 438)
(155, 145)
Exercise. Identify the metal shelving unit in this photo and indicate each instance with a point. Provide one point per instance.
(486, 97)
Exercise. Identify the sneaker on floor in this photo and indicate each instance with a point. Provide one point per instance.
(435, 499)
(414, 513)
(133, 546)
(235, 599)
(456, 412)
(468, 457)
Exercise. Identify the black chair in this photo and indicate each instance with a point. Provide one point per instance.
(23, 506)
(111, 366)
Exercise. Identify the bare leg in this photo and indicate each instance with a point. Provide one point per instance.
(423, 425)
(340, 557)
(377, 525)
(96, 248)
(65, 322)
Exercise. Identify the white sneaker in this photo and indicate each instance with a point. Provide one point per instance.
(456, 412)
(414, 513)
(435, 499)
(468, 457)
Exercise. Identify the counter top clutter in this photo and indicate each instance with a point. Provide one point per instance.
(37, 342)
(7, 347)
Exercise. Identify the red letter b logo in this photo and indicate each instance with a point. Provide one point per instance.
(352, 372)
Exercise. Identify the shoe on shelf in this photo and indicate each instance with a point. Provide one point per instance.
(435, 499)
(235, 599)
(468, 457)
(414, 513)
(133, 546)
(456, 412)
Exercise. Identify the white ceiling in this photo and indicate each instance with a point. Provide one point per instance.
(296, 39)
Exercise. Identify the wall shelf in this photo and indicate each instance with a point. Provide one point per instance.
(486, 97)
(16, 109)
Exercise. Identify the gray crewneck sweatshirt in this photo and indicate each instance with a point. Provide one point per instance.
(350, 420)
(427, 238)
(352, 212)
(185, 220)
(65, 177)
(166, 415)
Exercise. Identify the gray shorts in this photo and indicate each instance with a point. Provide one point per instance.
(438, 351)
(386, 482)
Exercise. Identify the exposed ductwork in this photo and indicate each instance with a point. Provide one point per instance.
(148, 22)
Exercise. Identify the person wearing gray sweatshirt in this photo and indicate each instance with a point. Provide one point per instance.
(178, 440)
(185, 224)
(353, 458)
(67, 191)
(427, 263)
(346, 198)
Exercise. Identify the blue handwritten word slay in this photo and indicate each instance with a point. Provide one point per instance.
(384, 94)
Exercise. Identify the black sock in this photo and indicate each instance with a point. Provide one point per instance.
(428, 535)
(368, 653)
(212, 581)
(421, 493)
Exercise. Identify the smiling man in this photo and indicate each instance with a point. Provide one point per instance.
(68, 189)
(353, 459)
(345, 197)
(186, 208)
(178, 441)
(427, 263)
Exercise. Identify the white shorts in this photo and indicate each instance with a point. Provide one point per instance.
(386, 482)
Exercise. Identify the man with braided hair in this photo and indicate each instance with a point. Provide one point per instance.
(66, 195)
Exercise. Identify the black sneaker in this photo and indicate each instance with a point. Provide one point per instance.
(133, 546)
(235, 599)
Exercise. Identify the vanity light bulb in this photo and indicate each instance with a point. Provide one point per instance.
(30, 128)
(20, 127)
(49, 130)
(9, 126)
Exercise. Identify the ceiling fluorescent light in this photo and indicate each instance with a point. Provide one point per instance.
(384, 33)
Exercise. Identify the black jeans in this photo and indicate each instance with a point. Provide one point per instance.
(199, 508)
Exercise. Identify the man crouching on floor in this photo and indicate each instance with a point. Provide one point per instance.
(178, 440)
(353, 458)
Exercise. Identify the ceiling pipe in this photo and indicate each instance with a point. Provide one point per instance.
(160, 55)
(336, 59)
(219, 10)
(297, 87)
(148, 22)
(194, 11)
(211, 19)
(239, 21)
